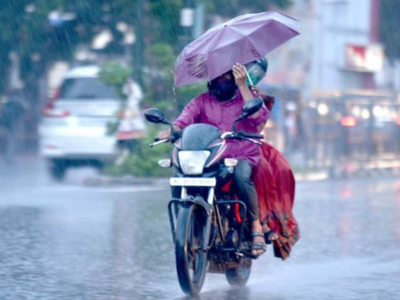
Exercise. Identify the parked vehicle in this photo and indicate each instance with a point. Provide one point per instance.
(208, 222)
(73, 130)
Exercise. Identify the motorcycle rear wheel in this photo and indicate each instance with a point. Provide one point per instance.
(191, 261)
(238, 276)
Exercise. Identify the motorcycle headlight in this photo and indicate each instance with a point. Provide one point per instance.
(192, 162)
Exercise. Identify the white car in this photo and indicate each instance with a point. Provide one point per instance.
(74, 127)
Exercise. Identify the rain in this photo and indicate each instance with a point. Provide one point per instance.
(84, 199)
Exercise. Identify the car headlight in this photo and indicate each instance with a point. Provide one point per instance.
(192, 162)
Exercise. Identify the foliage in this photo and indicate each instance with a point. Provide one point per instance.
(27, 31)
(114, 74)
(237, 7)
(388, 27)
(161, 91)
(144, 160)
(163, 22)
(163, 56)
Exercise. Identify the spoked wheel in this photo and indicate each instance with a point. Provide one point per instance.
(191, 261)
(238, 276)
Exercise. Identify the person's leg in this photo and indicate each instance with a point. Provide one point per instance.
(246, 192)
(245, 188)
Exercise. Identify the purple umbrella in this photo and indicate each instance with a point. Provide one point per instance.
(240, 40)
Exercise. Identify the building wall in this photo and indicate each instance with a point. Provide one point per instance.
(339, 23)
(315, 59)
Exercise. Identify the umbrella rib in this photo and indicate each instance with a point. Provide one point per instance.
(215, 40)
(210, 48)
(250, 39)
(244, 36)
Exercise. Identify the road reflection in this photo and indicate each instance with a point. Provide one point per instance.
(74, 242)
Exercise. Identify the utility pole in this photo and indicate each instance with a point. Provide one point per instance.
(139, 45)
(187, 22)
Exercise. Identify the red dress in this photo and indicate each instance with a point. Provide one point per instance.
(275, 185)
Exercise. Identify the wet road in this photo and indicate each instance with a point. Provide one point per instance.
(74, 242)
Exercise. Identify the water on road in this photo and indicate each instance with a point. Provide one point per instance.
(70, 241)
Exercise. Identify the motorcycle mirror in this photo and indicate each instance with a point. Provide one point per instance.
(250, 108)
(154, 115)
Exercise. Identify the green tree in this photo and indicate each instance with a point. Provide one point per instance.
(236, 7)
(27, 31)
(25, 28)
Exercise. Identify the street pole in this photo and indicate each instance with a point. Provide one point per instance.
(187, 22)
(138, 47)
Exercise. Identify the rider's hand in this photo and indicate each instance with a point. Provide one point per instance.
(239, 72)
(165, 134)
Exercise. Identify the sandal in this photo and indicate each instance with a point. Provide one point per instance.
(268, 236)
(258, 245)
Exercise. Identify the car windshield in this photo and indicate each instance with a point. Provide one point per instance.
(86, 88)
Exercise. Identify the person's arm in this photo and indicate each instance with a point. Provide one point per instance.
(239, 72)
(260, 118)
(189, 115)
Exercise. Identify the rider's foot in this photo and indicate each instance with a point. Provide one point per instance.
(258, 245)
(269, 235)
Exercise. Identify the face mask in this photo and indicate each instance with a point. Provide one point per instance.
(222, 89)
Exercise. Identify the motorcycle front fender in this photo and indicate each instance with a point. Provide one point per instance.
(199, 201)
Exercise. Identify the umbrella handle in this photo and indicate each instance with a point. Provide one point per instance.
(248, 77)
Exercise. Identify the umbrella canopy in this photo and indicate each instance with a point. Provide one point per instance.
(240, 40)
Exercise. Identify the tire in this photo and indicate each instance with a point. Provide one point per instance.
(57, 170)
(238, 276)
(191, 264)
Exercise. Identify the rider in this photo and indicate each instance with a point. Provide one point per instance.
(220, 106)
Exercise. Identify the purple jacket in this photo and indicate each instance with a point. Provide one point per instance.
(207, 109)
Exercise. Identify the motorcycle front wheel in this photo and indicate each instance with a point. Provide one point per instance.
(191, 260)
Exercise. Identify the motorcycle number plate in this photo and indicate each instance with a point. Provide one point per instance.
(190, 181)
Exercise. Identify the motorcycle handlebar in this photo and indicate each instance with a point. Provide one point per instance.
(175, 135)
(159, 142)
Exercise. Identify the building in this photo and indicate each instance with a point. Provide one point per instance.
(337, 50)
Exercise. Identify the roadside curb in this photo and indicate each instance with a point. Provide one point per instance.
(367, 173)
(109, 181)
(124, 181)
(344, 174)
(315, 176)
(311, 176)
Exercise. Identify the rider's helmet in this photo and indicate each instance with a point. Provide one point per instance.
(257, 70)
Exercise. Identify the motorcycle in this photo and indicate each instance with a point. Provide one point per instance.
(208, 223)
